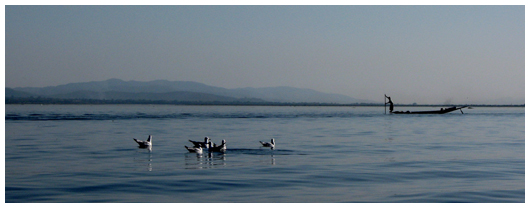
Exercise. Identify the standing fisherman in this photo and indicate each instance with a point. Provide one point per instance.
(391, 104)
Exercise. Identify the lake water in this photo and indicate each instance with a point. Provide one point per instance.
(85, 153)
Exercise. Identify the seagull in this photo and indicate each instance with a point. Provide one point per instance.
(215, 148)
(201, 144)
(268, 144)
(144, 144)
(197, 150)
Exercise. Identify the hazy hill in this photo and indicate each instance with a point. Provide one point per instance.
(166, 96)
(290, 94)
(15, 93)
(178, 90)
(158, 86)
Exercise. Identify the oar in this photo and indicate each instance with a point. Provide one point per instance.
(385, 103)
(461, 109)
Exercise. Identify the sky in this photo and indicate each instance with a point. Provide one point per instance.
(415, 54)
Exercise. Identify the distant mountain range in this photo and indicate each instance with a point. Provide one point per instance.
(116, 89)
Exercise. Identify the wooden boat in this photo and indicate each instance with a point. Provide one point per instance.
(441, 111)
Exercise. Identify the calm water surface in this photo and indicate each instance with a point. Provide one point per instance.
(85, 153)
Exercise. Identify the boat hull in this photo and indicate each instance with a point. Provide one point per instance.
(441, 111)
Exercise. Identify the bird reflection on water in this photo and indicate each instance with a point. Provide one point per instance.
(141, 160)
(204, 161)
(215, 159)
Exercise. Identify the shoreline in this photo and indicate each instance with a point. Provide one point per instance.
(51, 101)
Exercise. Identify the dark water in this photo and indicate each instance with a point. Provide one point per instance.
(85, 153)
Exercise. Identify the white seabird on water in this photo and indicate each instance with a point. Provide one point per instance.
(144, 144)
(201, 144)
(197, 150)
(215, 148)
(268, 144)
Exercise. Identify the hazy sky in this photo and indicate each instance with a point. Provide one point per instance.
(423, 54)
